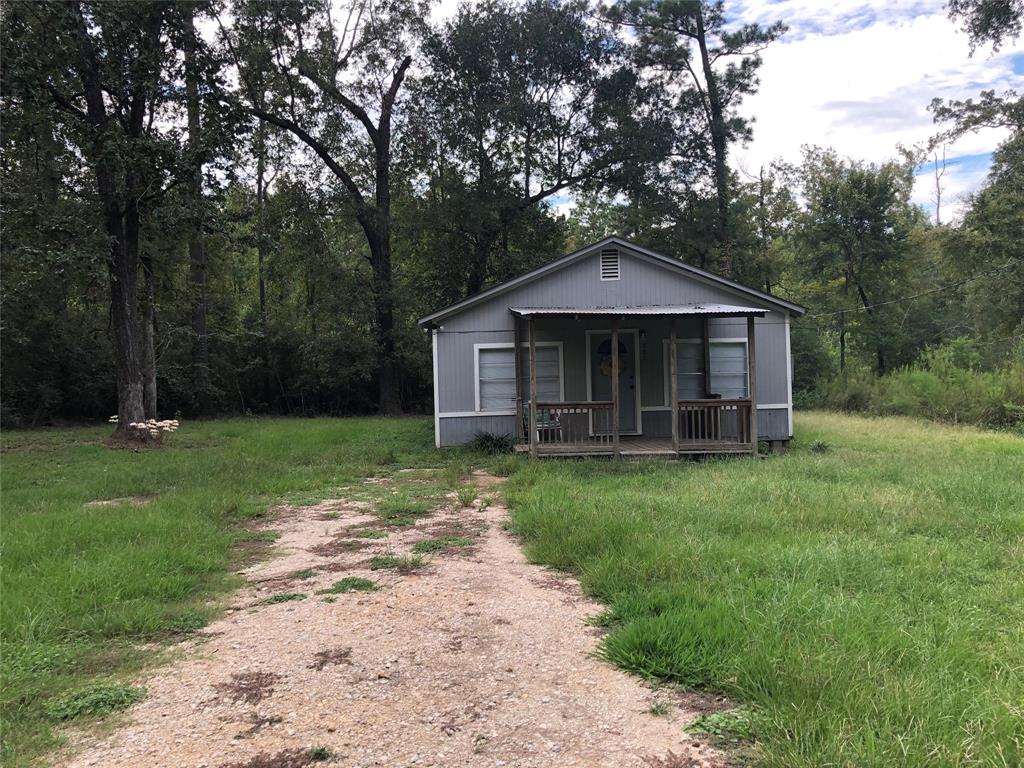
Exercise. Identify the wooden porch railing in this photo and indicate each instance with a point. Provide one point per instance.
(715, 421)
(572, 424)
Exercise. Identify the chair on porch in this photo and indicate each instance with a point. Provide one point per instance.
(549, 426)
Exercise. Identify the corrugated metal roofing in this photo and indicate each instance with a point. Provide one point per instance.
(652, 309)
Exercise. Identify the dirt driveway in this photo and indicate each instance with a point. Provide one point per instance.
(476, 659)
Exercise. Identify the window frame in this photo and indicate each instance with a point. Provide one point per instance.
(510, 345)
(666, 363)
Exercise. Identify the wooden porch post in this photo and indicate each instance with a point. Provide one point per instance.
(752, 385)
(673, 385)
(532, 331)
(706, 336)
(517, 356)
(615, 386)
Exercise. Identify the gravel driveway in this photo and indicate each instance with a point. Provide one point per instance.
(476, 659)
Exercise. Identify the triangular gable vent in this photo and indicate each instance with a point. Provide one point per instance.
(610, 264)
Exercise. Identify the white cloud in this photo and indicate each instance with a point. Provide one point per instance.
(858, 76)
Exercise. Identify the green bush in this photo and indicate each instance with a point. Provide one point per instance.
(946, 384)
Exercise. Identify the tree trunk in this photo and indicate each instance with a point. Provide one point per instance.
(149, 338)
(196, 244)
(261, 255)
(124, 270)
(719, 139)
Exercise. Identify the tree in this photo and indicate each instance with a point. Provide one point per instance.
(522, 102)
(988, 21)
(338, 91)
(852, 238)
(710, 67)
(108, 68)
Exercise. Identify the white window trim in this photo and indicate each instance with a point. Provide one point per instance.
(437, 392)
(510, 345)
(789, 379)
(636, 366)
(666, 363)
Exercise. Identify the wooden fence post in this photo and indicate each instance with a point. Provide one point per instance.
(673, 387)
(532, 331)
(615, 386)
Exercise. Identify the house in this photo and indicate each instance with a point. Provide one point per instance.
(615, 349)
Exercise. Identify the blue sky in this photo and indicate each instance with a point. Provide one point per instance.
(858, 76)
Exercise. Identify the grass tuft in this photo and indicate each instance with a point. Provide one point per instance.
(349, 584)
(284, 597)
(400, 563)
(96, 700)
(466, 495)
(428, 546)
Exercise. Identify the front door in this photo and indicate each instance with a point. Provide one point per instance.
(600, 354)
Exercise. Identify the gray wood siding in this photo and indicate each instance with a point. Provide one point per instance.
(579, 285)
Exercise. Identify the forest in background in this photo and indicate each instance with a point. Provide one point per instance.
(238, 206)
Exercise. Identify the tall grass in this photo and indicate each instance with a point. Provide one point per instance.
(83, 584)
(865, 602)
(945, 384)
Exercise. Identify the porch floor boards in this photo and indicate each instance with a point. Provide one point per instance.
(633, 446)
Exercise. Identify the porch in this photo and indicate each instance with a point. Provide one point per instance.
(704, 422)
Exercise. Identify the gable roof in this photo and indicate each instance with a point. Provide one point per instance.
(651, 256)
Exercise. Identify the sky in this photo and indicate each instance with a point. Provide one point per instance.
(859, 75)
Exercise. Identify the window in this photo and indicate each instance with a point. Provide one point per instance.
(728, 369)
(610, 264)
(690, 368)
(496, 376)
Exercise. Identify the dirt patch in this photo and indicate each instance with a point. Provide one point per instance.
(286, 758)
(332, 656)
(477, 661)
(250, 687)
(339, 545)
(130, 501)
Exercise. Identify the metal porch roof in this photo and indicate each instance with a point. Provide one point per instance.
(719, 310)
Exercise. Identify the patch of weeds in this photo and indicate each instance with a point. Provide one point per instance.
(320, 753)
(371, 534)
(329, 516)
(382, 457)
(400, 563)
(504, 466)
(466, 495)
(305, 573)
(96, 700)
(349, 584)
(241, 536)
(398, 511)
(485, 502)
(329, 599)
(439, 545)
(337, 546)
(331, 656)
(250, 687)
(187, 623)
(659, 709)
(734, 725)
(492, 443)
(284, 597)
(820, 446)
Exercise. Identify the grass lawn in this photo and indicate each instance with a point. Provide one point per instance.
(83, 585)
(865, 604)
